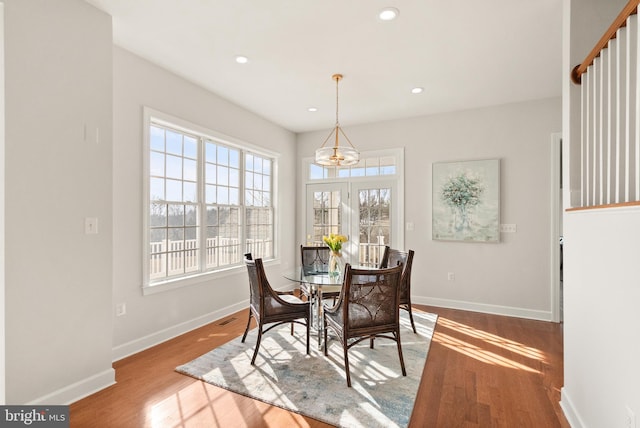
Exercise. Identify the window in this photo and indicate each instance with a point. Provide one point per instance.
(209, 202)
(258, 205)
(367, 167)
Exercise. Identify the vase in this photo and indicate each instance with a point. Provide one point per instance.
(336, 264)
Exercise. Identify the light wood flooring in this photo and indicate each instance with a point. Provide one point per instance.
(481, 371)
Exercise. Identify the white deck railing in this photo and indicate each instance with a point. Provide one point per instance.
(169, 257)
(369, 254)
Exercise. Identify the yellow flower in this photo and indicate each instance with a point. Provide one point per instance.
(335, 241)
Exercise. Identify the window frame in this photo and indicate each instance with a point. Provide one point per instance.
(151, 117)
(352, 183)
(332, 173)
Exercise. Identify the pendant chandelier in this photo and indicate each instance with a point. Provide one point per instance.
(337, 155)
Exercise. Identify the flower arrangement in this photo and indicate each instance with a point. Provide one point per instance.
(335, 241)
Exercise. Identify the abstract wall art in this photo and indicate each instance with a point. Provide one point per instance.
(466, 201)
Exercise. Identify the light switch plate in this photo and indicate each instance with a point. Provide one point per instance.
(91, 225)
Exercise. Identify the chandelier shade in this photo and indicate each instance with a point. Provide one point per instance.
(337, 155)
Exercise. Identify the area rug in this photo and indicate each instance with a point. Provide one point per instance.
(314, 385)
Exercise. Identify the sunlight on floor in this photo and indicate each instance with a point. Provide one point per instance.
(493, 339)
(483, 355)
(202, 339)
(199, 404)
(181, 408)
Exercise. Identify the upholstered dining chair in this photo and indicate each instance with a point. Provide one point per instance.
(367, 308)
(393, 257)
(315, 260)
(268, 306)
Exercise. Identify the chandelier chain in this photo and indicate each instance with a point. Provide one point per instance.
(337, 77)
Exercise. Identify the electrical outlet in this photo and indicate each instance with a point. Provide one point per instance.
(451, 276)
(508, 228)
(121, 309)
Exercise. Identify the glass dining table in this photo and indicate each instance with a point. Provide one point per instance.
(316, 284)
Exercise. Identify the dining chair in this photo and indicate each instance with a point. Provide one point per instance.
(367, 308)
(315, 260)
(268, 306)
(393, 257)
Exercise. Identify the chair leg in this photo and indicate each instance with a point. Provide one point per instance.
(397, 335)
(308, 322)
(246, 330)
(413, 326)
(346, 364)
(325, 337)
(255, 352)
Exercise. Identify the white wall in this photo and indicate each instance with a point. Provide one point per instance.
(602, 321)
(511, 277)
(153, 318)
(58, 71)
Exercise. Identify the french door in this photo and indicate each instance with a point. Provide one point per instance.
(366, 211)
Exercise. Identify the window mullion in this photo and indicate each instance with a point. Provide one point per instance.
(202, 206)
(242, 202)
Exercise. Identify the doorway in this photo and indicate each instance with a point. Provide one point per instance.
(366, 211)
(556, 237)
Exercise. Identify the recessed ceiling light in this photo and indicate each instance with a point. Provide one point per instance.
(388, 14)
(240, 59)
(417, 90)
(312, 109)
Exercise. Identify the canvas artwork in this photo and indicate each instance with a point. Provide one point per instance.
(466, 201)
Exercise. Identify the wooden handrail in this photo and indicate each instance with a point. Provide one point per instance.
(595, 207)
(621, 20)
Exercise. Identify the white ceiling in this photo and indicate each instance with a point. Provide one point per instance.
(465, 53)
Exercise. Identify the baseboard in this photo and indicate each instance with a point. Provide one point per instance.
(138, 345)
(569, 410)
(146, 342)
(78, 390)
(484, 308)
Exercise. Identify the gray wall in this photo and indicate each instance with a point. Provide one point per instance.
(58, 279)
(511, 277)
(66, 88)
(154, 318)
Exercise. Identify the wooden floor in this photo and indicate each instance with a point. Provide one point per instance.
(482, 370)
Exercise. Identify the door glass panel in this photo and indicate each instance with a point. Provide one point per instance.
(374, 224)
(327, 215)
